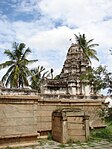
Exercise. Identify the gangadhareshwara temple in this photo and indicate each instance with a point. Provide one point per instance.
(26, 115)
(69, 81)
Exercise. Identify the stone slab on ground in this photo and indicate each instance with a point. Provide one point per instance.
(46, 144)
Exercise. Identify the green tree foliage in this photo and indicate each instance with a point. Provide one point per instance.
(87, 46)
(99, 78)
(17, 73)
(108, 80)
(99, 75)
(88, 50)
(57, 77)
(106, 114)
(37, 77)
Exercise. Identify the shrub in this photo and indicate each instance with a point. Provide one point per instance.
(104, 133)
(49, 136)
(106, 114)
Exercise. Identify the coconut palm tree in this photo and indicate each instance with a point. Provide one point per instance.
(17, 73)
(88, 51)
(87, 47)
(37, 77)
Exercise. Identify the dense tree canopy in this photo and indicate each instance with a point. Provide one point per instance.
(99, 78)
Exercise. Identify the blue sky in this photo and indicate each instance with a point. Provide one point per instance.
(47, 25)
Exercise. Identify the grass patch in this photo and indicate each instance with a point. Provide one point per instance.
(103, 133)
(51, 142)
(42, 142)
(62, 145)
(70, 142)
(77, 142)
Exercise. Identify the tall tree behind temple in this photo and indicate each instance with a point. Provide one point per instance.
(87, 46)
(17, 73)
(88, 52)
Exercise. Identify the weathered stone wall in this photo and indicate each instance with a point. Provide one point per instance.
(17, 91)
(25, 115)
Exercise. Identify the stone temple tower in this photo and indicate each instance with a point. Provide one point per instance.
(70, 82)
(74, 66)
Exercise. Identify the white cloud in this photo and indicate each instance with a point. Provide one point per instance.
(48, 36)
(55, 39)
(75, 12)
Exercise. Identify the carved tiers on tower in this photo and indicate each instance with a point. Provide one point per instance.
(74, 66)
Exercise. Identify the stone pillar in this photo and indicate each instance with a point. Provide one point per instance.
(74, 90)
(64, 127)
(86, 124)
(87, 90)
(78, 88)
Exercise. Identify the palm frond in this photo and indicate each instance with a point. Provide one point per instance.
(21, 47)
(6, 64)
(27, 51)
(42, 69)
(7, 73)
(91, 40)
(86, 46)
(15, 46)
(18, 73)
(77, 38)
(10, 54)
(44, 74)
(32, 61)
(93, 45)
(10, 80)
(95, 57)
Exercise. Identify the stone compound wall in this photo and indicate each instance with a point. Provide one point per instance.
(26, 115)
(17, 91)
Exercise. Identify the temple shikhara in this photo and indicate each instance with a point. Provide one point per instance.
(69, 81)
